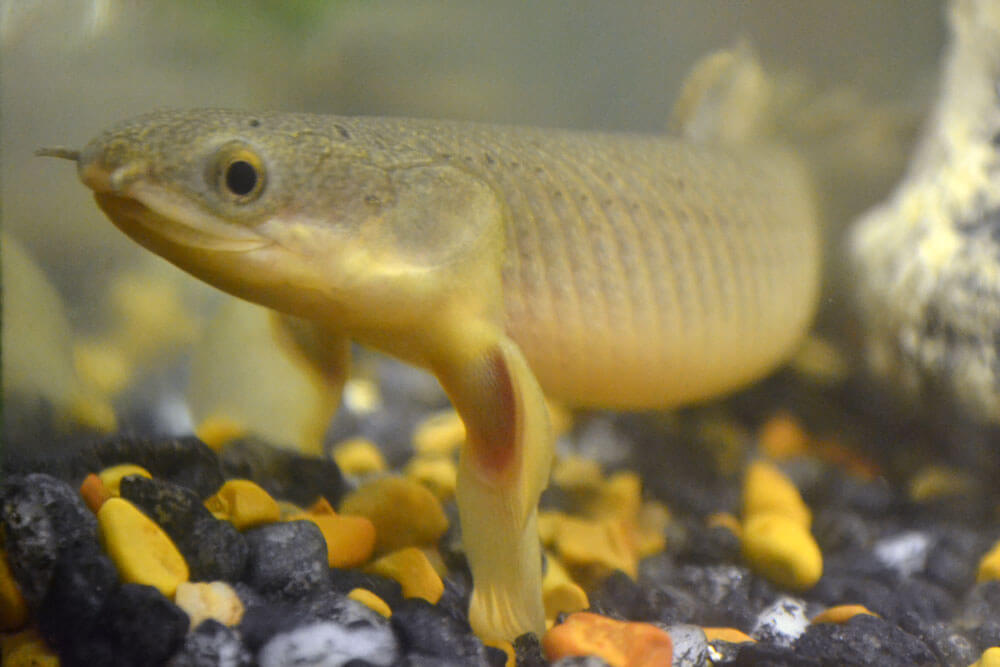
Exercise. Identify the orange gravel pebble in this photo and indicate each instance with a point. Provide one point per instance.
(782, 437)
(730, 635)
(94, 492)
(618, 643)
(841, 613)
(350, 540)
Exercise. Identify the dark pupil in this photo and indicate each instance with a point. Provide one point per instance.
(241, 177)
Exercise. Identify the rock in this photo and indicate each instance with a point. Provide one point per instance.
(215, 601)
(413, 571)
(328, 644)
(185, 461)
(906, 553)
(616, 642)
(620, 597)
(212, 644)
(781, 550)
(405, 514)
(140, 550)
(344, 581)
(427, 631)
(243, 504)
(282, 473)
(863, 640)
(144, 627)
(370, 600)
(214, 549)
(41, 517)
(528, 649)
(690, 645)
(287, 558)
(81, 581)
(767, 490)
(781, 623)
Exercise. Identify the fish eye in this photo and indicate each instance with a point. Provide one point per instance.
(239, 173)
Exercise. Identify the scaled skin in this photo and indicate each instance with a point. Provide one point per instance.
(616, 270)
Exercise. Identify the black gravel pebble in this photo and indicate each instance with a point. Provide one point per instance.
(262, 623)
(212, 644)
(186, 461)
(41, 517)
(528, 649)
(82, 580)
(389, 590)
(863, 640)
(620, 597)
(425, 630)
(287, 558)
(214, 549)
(145, 628)
(284, 474)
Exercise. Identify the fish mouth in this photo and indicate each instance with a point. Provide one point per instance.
(155, 230)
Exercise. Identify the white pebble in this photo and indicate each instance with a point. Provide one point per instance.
(781, 623)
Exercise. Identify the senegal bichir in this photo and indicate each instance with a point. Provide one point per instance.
(614, 270)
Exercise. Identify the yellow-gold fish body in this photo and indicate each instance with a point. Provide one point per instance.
(602, 269)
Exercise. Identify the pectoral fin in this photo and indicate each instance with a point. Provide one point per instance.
(503, 469)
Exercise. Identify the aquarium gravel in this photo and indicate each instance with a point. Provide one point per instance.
(644, 526)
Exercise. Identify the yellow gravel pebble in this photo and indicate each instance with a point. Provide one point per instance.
(203, 600)
(359, 457)
(989, 565)
(413, 571)
(989, 658)
(404, 513)
(730, 635)
(437, 473)
(217, 430)
(27, 649)
(841, 613)
(440, 434)
(93, 492)
(111, 477)
(244, 504)
(350, 540)
(370, 600)
(592, 549)
(139, 548)
(93, 411)
(13, 608)
(766, 490)
(620, 495)
(934, 482)
(618, 643)
(782, 437)
(577, 473)
(651, 526)
(781, 550)
(559, 592)
(102, 365)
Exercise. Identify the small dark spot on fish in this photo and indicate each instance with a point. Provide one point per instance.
(515, 165)
(254, 122)
(445, 156)
(342, 131)
(468, 158)
(372, 200)
(607, 203)
(557, 193)
(489, 159)
(539, 171)
(996, 139)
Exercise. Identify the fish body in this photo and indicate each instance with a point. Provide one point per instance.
(602, 269)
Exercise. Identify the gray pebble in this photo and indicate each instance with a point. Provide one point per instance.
(328, 644)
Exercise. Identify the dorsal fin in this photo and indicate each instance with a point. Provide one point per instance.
(723, 99)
